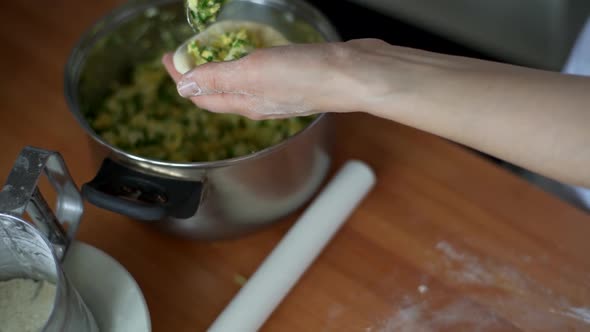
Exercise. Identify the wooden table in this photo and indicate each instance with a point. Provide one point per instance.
(446, 241)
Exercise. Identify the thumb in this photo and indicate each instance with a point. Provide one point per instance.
(213, 78)
(218, 87)
(239, 87)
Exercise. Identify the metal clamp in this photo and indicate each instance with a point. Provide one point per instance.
(21, 194)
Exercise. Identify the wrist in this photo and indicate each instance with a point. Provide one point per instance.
(377, 78)
(405, 84)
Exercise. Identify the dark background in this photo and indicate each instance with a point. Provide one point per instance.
(353, 21)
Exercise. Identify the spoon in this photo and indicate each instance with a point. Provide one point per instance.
(201, 13)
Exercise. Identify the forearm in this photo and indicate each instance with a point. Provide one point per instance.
(536, 119)
(532, 118)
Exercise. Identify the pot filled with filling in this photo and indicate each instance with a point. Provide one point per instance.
(160, 158)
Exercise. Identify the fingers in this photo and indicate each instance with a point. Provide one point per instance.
(228, 103)
(266, 84)
(169, 65)
(215, 101)
(208, 79)
(213, 78)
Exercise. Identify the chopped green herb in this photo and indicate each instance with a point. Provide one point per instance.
(144, 115)
(203, 12)
(228, 46)
(240, 279)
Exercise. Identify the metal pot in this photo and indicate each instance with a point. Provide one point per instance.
(208, 200)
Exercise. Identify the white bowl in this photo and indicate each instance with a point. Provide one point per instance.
(108, 289)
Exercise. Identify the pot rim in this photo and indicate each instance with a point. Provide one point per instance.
(118, 15)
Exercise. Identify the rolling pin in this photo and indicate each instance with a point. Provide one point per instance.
(304, 241)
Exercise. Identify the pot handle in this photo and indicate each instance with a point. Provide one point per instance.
(141, 196)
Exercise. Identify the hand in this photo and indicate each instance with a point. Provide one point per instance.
(532, 118)
(285, 81)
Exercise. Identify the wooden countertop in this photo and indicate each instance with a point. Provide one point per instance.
(445, 242)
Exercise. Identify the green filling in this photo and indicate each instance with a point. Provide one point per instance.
(228, 46)
(144, 115)
(203, 12)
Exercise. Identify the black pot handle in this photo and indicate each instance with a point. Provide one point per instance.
(141, 196)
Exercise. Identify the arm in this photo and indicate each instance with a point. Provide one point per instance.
(535, 119)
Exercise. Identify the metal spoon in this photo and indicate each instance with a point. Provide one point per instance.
(201, 13)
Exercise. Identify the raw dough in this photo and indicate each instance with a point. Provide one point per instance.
(266, 34)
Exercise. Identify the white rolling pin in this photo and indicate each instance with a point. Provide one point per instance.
(279, 272)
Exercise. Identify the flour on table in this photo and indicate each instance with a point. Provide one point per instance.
(335, 311)
(519, 301)
(25, 304)
(334, 317)
(466, 268)
(527, 302)
(526, 259)
(424, 317)
(577, 313)
(422, 289)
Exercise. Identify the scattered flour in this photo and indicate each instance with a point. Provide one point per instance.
(517, 301)
(578, 313)
(422, 289)
(335, 311)
(526, 259)
(25, 304)
(460, 315)
(466, 268)
(334, 317)
(528, 303)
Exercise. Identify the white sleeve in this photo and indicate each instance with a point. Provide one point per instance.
(578, 62)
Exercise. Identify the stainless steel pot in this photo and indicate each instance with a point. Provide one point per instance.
(208, 200)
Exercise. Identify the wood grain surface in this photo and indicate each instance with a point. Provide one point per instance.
(445, 242)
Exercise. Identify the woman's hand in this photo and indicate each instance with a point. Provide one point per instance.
(532, 118)
(286, 81)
